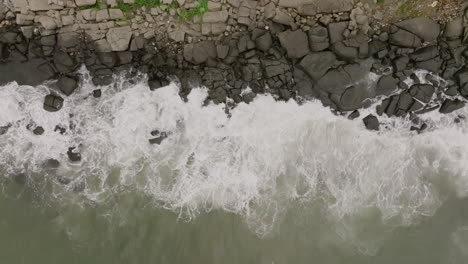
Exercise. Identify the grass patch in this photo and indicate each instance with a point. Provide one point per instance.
(409, 9)
(200, 10)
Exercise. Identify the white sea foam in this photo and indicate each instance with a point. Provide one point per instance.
(265, 157)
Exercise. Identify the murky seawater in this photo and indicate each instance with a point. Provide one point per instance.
(272, 182)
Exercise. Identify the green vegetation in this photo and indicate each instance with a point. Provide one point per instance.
(409, 9)
(200, 10)
(380, 2)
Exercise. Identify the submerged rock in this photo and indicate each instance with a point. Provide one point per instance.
(159, 137)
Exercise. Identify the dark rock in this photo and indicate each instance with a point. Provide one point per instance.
(425, 53)
(53, 103)
(264, 42)
(97, 93)
(303, 84)
(355, 114)
(4, 129)
(124, 57)
(451, 105)
(159, 137)
(64, 63)
(222, 51)
(318, 38)
(68, 40)
(400, 63)
(429, 65)
(392, 106)
(371, 122)
(404, 38)
(295, 43)
(451, 91)
(352, 98)
(63, 180)
(425, 28)
(202, 51)
(48, 40)
(380, 109)
(67, 85)
(344, 52)
(317, 64)
(73, 155)
(335, 31)
(218, 95)
(334, 81)
(405, 101)
(108, 59)
(38, 131)
(386, 85)
(60, 129)
(454, 28)
(422, 92)
(8, 37)
(51, 164)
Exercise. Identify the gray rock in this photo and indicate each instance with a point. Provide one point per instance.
(89, 14)
(454, 28)
(282, 17)
(67, 85)
(222, 51)
(68, 39)
(335, 31)
(295, 43)
(64, 63)
(119, 38)
(3, 12)
(124, 57)
(202, 51)
(371, 122)
(426, 29)
(47, 22)
(318, 38)
(386, 85)
(264, 42)
(404, 38)
(317, 64)
(345, 52)
(38, 131)
(216, 17)
(432, 65)
(102, 15)
(270, 11)
(85, 2)
(116, 14)
(53, 103)
(352, 98)
(425, 53)
(400, 63)
(334, 81)
(449, 106)
(422, 92)
(355, 114)
(48, 40)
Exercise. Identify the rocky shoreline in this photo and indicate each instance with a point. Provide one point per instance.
(298, 50)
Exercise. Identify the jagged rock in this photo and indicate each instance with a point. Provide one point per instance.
(386, 85)
(335, 31)
(425, 53)
(64, 62)
(318, 38)
(295, 43)
(53, 103)
(73, 155)
(425, 28)
(317, 64)
(404, 38)
(119, 38)
(371, 122)
(264, 42)
(449, 106)
(422, 92)
(281, 17)
(67, 85)
(400, 63)
(355, 114)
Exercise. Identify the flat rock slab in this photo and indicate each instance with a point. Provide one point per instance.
(34, 5)
(119, 38)
(319, 5)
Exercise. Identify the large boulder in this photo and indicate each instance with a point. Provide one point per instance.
(200, 52)
(422, 92)
(64, 62)
(454, 28)
(119, 38)
(425, 53)
(68, 39)
(451, 105)
(423, 27)
(317, 64)
(335, 31)
(371, 122)
(404, 38)
(295, 43)
(318, 38)
(386, 85)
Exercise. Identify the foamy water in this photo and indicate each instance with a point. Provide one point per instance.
(257, 162)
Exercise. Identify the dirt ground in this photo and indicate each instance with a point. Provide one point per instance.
(396, 10)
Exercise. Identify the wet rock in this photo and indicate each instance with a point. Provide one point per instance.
(353, 97)
(200, 52)
(73, 155)
(60, 129)
(371, 122)
(124, 57)
(67, 85)
(295, 43)
(422, 92)
(317, 64)
(355, 114)
(97, 93)
(404, 38)
(425, 53)
(53, 103)
(38, 131)
(51, 164)
(386, 85)
(159, 137)
(425, 28)
(64, 62)
(449, 106)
